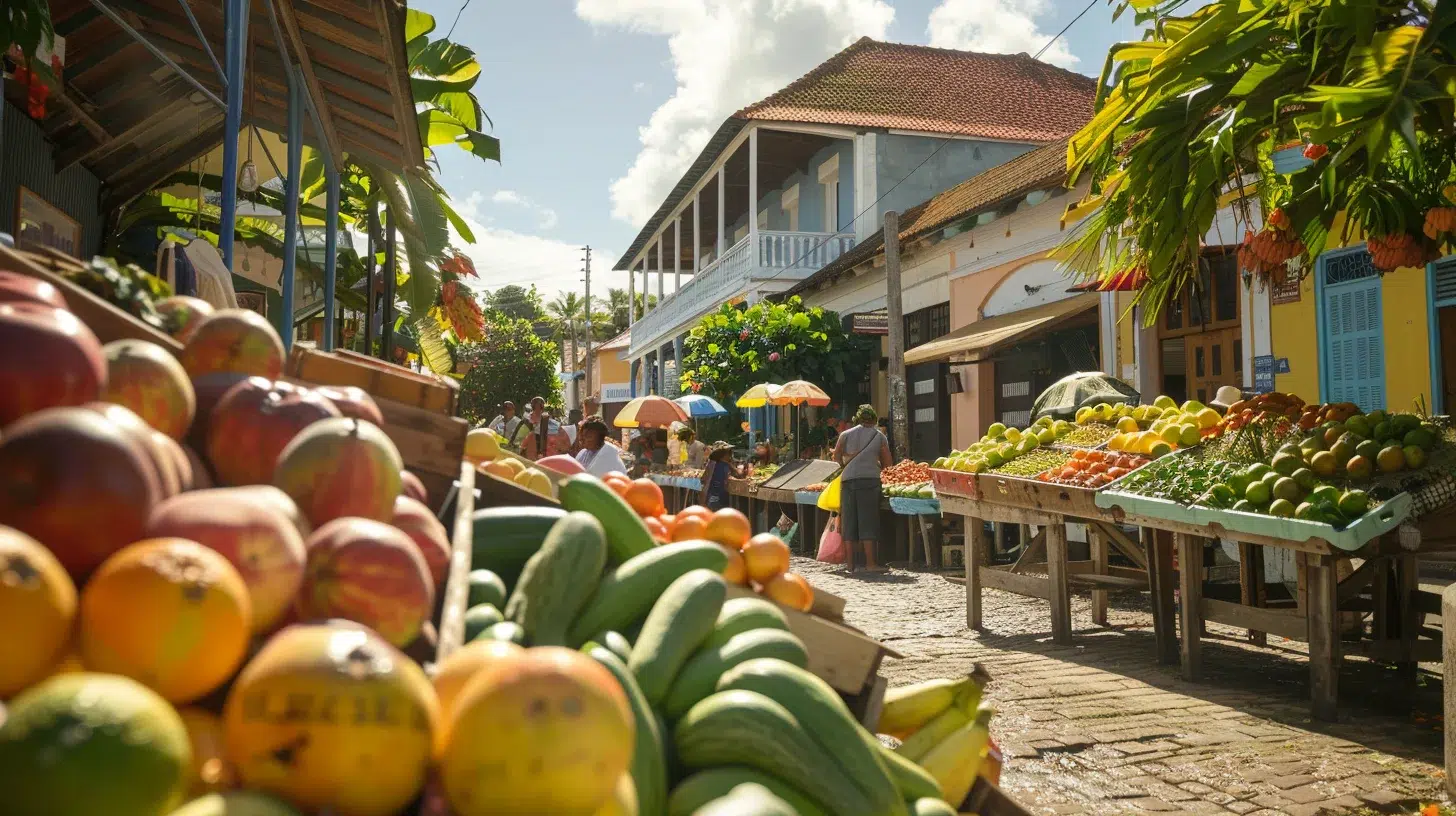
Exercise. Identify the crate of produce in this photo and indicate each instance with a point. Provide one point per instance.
(428, 392)
(954, 483)
(103, 316)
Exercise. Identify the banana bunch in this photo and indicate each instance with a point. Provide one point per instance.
(943, 728)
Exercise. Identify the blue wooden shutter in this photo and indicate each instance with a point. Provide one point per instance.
(1354, 343)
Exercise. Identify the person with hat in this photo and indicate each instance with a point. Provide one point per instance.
(862, 452)
(590, 407)
(506, 423)
(716, 472)
(545, 435)
(598, 456)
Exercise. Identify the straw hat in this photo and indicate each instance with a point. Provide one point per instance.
(1226, 396)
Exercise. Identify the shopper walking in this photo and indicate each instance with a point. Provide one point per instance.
(862, 452)
(716, 472)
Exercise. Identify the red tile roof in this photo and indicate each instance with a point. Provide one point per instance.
(913, 87)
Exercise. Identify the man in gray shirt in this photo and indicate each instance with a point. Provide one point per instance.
(862, 451)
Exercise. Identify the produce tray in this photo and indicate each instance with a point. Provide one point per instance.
(1375, 523)
(380, 379)
(955, 483)
(915, 507)
(1048, 497)
(105, 320)
(810, 497)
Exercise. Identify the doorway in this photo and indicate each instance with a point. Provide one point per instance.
(1201, 332)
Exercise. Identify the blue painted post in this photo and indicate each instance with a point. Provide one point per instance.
(237, 76)
(331, 252)
(290, 205)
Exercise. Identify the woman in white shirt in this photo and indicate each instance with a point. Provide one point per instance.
(598, 457)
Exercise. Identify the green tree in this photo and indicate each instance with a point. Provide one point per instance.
(1199, 107)
(517, 302)
(568, 315)
(732, 348)
(512, 363)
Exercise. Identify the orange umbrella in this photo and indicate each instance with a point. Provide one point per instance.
(799, 392)
(650, 412)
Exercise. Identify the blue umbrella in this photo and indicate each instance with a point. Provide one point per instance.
(701, 407)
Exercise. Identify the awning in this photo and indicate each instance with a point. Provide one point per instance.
(980, 340)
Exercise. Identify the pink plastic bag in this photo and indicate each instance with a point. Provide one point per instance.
(831, 544)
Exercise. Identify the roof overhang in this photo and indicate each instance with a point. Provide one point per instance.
(979, 341)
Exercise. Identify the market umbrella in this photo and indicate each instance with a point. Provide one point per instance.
(758, 396)
(650, 412)
(701, 407)
(1062, 399)
(797, 393)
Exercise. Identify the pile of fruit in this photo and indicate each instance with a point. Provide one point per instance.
(1271, 407)
(1163, 427)
(1094, 468)
(135, 605)
(1002, 445)
(1088, 435)
(907, 479)
(817, 487)
(483, 449)
(762, 473)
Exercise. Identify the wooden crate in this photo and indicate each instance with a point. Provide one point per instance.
(106, 321)
(382, 380)
(1048, 497)
(985, 799)
(954, 483)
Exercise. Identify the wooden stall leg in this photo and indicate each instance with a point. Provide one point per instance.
(1159, 546)
(910, 541)
(1097, 543)
(1324, 635)
(1411, 617)
(1190, 603)
(924, 539)
(974, 552)
(1251, 584)
(1380, 597)
(1061, 598)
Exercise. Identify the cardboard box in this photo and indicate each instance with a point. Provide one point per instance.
(840, 655)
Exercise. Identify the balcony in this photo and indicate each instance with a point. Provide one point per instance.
(783, 259)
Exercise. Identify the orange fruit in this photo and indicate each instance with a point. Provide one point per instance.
(455, 671)
(656, 528)
(766, 556)
(696, 510)
(689, 528)
(736, 572)
(791, 590)
(210, 768)
(668, 520)
(730, 527)
(37, 609)
(645, 497)
(168, 613)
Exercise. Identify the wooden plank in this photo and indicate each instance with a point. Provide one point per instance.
(1313, 545)
(1324, 637)
(1043, 496)
(974, 557)
(106, 321)
(426, 440)
(310, 79)
(988, 511)
(1251, 584)
(840, 655)
(1102, 583)
(1354, 584)
(874, 702)
(1411, 617)
(925, 539)
(1393, 651)
(1128, 572)
(380, 379)
(1119, 540)
(1061, 596)
(1282, 622)
(1161, 577)
(1024, 585)
(827, 605)
(390, 20)
(457, 582)
(1190, 604)
(1097, 544)
(1033, 553)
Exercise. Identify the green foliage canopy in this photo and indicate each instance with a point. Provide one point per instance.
(512, 363)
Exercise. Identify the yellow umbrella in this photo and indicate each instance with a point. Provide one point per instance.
(650, 412)
(800, 392)
(758, 396)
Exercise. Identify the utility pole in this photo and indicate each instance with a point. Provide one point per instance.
(899, 421)
(586, 278)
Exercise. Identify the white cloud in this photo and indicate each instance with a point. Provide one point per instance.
(639, 87)
(546, 216)
(725, 55)
(998, 27)
(503, 257)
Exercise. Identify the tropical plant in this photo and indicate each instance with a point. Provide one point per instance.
(513, 363)
(569, 315)
(518, 302)
(733, 348)
(1191, 117)
(26, 23)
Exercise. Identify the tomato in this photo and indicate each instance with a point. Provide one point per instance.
(1098, 468)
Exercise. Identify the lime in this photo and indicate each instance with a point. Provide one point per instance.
(1221, 495)
(1188, 435)
(1354, 503)
(1382, 432)
(995, 430)
(1160, 449)
(1245, 506)
(1258, 494)
(1164, 401)
(1420, 438)
(1325, 493)
(1359, 425)
(1288, 490)
(1170, 434)
(1046, 436)
(1286, 463)
(1238, 482)
(1415, 457)
(1369, 449)
(1281, 508)
(1012, 435)
(1305, 478)
(1307, 511)
(1257, 470)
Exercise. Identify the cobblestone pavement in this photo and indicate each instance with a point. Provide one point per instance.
(1100, 728)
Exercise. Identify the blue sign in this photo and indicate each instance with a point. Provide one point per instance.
(1281, 366)
(1264, 367)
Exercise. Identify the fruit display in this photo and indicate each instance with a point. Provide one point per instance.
(1002, 445)
(1160, 428)
(484, 448)
(907, 479)
(1093, 468)
(761, 473)
(1029, 465)
(944, 734)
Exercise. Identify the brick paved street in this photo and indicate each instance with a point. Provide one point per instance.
(1100, 728)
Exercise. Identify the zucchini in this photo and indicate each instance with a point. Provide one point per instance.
(628, 590)
(678, 623)
(741, 615)
(700, 674)
(627, 533)
(913, 781)
(649, 762)
(747, 798)
(931, 806)
(616, 644)
(509, 631)
(486, 588)
(558, 579)
(828, 722)
(504, 538)
(740, 727)
(715, 783)
(480, 617)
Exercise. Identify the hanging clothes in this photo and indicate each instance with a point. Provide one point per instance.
(214, 281)
(174, 268)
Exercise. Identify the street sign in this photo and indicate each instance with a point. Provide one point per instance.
(1264, 373)
(872, 323)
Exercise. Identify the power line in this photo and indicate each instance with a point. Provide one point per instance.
(1053, 39)
(463, 6)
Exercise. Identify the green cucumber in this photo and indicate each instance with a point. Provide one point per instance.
(715, 783)
(558, 579)
(741, 615)
(698, 677)
(627, 533)
(486, 588)
(649, 762)
(828, 722)
(678, 623)
(504, 538)
(509, 631)
(750, 797)
(627, 591)
(480, 617)
(615, 643)
(913, 781)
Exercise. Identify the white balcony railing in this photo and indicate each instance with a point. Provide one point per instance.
(783, 258)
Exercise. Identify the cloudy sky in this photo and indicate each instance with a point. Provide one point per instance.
(601, 104)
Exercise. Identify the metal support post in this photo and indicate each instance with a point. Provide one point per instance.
(331, 252)
(294, 130)
(236, 56)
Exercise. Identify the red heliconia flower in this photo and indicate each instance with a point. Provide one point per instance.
(458, 264)
(1315, 152)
